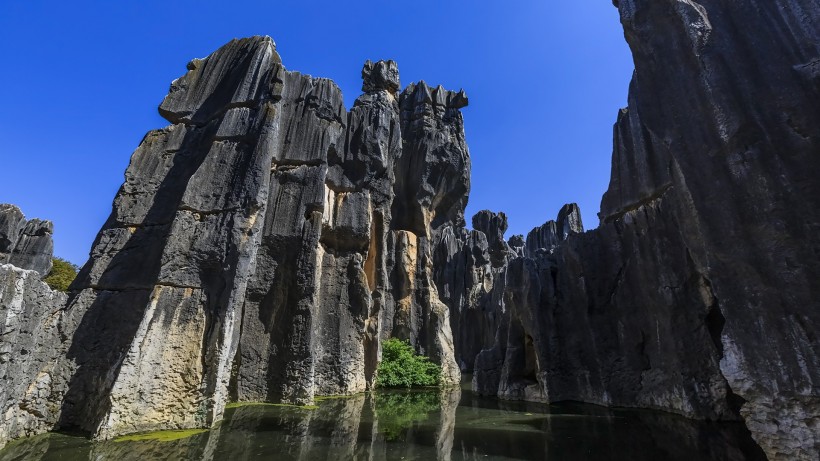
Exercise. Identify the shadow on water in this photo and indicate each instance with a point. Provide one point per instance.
(450, 425)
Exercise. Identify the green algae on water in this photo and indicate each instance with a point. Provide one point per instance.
(160, 436)
(322, 398)
(266, 404)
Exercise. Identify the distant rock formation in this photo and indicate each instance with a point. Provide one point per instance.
(25, 244)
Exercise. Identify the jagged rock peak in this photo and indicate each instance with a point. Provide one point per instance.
(490, 223)
(493, 225)
(421, 93)
(10, 218)
(569, 220)
(381, 75)
(26, 244)
(240, 74)
(551, 233)
(517, 244)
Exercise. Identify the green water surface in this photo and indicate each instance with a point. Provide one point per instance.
(417, 425)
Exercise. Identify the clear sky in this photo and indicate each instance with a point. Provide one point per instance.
(81, 81)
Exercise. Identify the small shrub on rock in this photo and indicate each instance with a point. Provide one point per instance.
(61, 275)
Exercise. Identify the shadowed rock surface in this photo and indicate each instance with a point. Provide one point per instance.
(697, 294)
(733, 149)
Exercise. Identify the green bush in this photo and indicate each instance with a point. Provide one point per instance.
(402, 367)
(61, 275)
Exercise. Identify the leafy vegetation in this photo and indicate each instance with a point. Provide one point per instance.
(397, 412)
(402, 367)
(61, 275)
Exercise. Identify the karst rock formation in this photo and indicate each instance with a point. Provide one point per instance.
(30, 318)
(268, 240)
(698, 293)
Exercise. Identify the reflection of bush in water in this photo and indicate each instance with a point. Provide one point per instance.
(397, 412)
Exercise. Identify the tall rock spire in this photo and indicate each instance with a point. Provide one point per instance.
(253, 253)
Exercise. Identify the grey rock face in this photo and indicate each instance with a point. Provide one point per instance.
(696, 293)
(25, 244)
(464, 278)
(468, 267)
(30, 343)
(10, 219)
(597, 318)
(552, 233)
(30, 321)
(383, 75)
(742, 170)
(493, 226)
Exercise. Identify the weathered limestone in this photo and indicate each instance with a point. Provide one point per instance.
(468, 264)
(25, 244)
(432, 182)
(30, 322)
(596, 318)
(741, 163)
(696, 294)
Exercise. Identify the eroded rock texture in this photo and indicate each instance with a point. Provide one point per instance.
(26, 244)
(30, 319)
(738, 142)
(698, 292)
(264, 244)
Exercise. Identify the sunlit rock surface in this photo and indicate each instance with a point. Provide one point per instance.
(30, 321)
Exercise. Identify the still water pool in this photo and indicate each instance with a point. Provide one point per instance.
(426, 425)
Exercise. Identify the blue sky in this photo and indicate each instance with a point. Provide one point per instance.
(81, 82)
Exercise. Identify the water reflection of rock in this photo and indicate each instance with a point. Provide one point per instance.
(449, 400)
(32, 449)
(532, 431)
(58, 447)
(328, 432)
(188, 448)
(444, 426)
